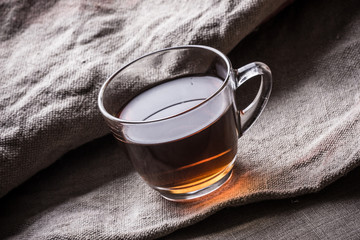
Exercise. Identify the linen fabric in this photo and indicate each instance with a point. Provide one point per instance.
(307, 137)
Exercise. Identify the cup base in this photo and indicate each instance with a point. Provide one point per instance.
(210, 186)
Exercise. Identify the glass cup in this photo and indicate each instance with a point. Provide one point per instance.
(175, 111)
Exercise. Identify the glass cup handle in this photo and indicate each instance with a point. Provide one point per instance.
(249, 115)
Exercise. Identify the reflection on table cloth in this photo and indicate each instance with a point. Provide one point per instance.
(306, 138)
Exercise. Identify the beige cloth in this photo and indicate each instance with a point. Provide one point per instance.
(307, 137)
(56, 54)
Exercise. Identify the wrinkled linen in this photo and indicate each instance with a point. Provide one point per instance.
(306, 138)
(56, 54)
(332, 213)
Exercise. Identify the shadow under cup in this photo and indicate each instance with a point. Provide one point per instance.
(175, 111)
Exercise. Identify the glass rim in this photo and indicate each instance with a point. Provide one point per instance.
(106, 114)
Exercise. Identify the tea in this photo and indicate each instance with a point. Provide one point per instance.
(187, 155)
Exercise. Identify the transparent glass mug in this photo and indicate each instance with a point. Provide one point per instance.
(175, 111)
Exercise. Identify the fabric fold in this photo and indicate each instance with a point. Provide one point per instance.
(307, 138)
(55, 56)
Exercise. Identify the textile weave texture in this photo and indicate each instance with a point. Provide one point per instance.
(56, 54)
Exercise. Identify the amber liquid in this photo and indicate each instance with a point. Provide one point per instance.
(201, 155)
